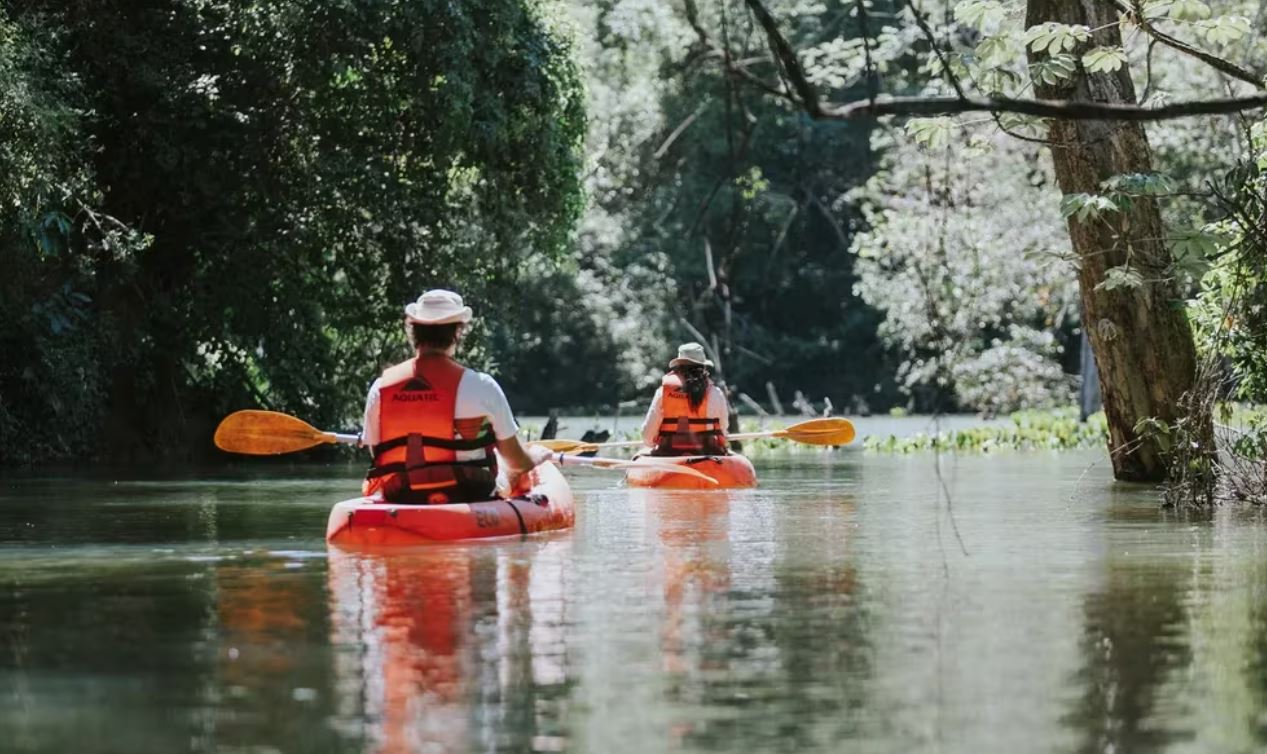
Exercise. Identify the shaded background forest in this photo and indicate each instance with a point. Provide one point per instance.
(209, 205)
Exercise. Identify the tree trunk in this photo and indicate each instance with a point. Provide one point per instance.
(1142, 341)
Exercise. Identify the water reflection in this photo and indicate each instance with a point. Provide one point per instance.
(451, 648)
(829, 610)
(1133, 639)
(760, 620)
(271, 677)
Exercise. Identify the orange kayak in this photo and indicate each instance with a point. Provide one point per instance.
(730, 471)
(546, 506)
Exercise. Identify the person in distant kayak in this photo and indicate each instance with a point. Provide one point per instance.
(432, 425)
(688, 414)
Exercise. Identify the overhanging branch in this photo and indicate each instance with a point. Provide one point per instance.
(806, 97)
(1136, 14)
(1056, 109)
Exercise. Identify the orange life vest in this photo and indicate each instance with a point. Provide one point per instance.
(415, 460)
(685, 430)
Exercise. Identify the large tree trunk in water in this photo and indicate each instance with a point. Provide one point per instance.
(1141, 338)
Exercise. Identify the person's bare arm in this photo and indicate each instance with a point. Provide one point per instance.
(655, 415)
(520, 460)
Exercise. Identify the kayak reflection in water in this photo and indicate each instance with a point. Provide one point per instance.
(688, 414)
(432, 424)
(442, 650)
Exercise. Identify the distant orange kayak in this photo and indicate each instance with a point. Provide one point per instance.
(730, 471)
(368, 521)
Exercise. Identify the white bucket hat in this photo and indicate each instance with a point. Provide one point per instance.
(437, 307)
(690, 353)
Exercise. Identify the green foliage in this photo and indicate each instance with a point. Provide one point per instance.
(1027, 430)
(1230, 312)
(932, 133)
(969, 275)
(732, 208)
(1085, 207)
(270, 183)
(1122, 276)
(1104, 59)
(1056, 38)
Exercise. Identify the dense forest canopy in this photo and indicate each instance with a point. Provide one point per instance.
(212, 205)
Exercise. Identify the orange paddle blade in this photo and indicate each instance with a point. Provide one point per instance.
(831, 431)
(267, 433)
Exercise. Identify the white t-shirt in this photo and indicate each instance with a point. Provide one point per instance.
(715, 408)
(478, 395)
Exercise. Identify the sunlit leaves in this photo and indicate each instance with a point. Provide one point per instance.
(981, 15)
(1054, 69)
(1224, 29)
(1055, 38)
(1020, 124)
(1139, 184)
(1122, 276)
(1104, 59)
(1179, 10)
(1084, 207)
(930, 133)
(996, 50)
(997, 80)
(1196, 243)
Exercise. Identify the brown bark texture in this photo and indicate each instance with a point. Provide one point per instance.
(1140, 335)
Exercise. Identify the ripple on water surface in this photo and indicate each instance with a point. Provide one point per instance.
(848, 604)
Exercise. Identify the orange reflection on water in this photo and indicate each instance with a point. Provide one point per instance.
(434, 640)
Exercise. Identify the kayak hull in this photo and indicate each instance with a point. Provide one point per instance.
(548, 505)
(731, 471)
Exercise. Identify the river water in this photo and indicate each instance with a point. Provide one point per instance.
(848, 604)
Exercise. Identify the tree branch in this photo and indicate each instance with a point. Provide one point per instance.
(1136, 15)
(784, 53)
(1056, 109)
(807, 97)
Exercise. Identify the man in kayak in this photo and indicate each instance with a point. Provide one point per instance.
(688, 413)
(432, 425)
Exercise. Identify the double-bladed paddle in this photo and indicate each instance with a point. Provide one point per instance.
(269, 433)
(829, 431)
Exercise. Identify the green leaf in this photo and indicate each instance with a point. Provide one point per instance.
(996, 50)
(1104, 59)
(1054, 69)
(1196, 242)
(998, 80)
(1188, 10)
(979, 14)
(1139, 184)
(1123, 276)
(930, 133)
(1084, 207)
(1020, 123)
(1224, 29)
(1056, 38)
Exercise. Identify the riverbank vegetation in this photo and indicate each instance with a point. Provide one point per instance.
(226, 205)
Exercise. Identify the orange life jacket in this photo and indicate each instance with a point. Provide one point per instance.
(415, 460)
(685, 430)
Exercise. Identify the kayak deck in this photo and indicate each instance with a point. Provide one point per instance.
(369, 521)
(729, 471)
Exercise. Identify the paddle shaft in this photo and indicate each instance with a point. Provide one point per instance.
(636, 443)
(614, 464)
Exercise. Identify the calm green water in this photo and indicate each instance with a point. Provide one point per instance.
(833, 609)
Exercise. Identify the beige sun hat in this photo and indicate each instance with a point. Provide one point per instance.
(437, 307)
(690, 353)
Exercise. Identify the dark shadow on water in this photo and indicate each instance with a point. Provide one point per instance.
(1134, 638)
